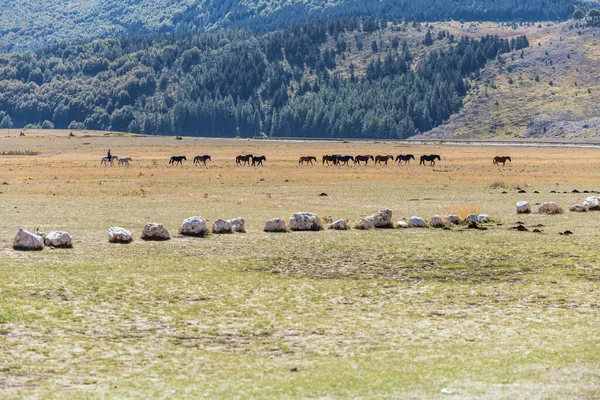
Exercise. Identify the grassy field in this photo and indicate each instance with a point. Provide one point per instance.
(414, 313)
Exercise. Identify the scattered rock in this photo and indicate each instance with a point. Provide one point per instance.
(473, 225)
(436, 222)
(452, 219)
(194, 226)
(504, 192)
(575, 191)
(565, 233)
(483, 218)
(592, 203)
(553, 191)
(305, 222)
(339, 225)
(536, 192)
(550, 208)
(275, 225)
(366, 223)
(473, 218)
(383, 219)
(577, 208)
(295, 369)
(238, 224)
(402, 224)
(537, 231)
(221, 226)
(323, 195)
(119, 235)
(156, 232)
(59, 240)
(27, 241)
(523, 207)
(417, 222)
(520, 228)
(521, 191)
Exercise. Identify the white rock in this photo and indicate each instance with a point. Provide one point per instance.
(366, 223)
(473, 218)
(483, 218)
(523, 207)
(25, 240)
(275, 225)
(238, 224)
(452, 219)
(549, 208)
(402, 224)
(58, 239)
(119, 235)
(417, 222)
(155, 231)
(591, 202)
(577, 208)
(222, 226)
(436, 222)
(305, 222)
(383, 219)
(194, 226)
(339, 225)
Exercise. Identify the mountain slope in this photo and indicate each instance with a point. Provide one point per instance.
(29, 24)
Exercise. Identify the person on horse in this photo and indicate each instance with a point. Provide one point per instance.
(109, 156)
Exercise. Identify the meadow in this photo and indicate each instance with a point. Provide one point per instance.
(402, 313)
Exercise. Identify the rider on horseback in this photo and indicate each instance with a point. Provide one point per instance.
(109, 156)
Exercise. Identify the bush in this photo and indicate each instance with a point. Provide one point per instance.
(47, 125)
(78, 126)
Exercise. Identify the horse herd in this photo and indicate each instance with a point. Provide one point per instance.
(328, 160)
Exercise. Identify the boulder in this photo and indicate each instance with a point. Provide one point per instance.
(417, 222)
(59, 240)
(383, 219)
(222, 226)
(27, 241)
(119, 235)
(436, 222)
(452, 219)
(339, 225)
(305, 222)
(155, 231)
(366, 223)
(577, 208)
(483, 218)
(474, 218)
(275, 225)
(550, 208)
(402, 224)
(592, 203)
(238, 224)
(194, 226)
(523, 207)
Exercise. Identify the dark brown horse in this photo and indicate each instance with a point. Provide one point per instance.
(202, 159)
(307, 159)
(431, 158)
(343, 160)
(383, 159)
(331, 159)
(365, 159)
(177, 160)
(258, 160)
(404, 157)
(503, 160)
(243, 159)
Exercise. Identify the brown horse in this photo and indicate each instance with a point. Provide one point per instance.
(383, 159)
(202, 159)
(334, 159)
(404, 157)
(365, 159)
(503, 160)
(430, 158)
(258, 160)
(307, 159)
(243, 159)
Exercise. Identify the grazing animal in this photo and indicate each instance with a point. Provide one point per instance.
(431, 158)
(331, 160)
(383, 159)
(343, 160)
(258, 160)
(308, 159)
(202, 159)
(404, 157)
(243, 159)
(177, 160)
(105, 160)
(365, 159)
(124, 161)
(503, 160)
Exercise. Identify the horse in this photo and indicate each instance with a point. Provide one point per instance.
(104, 160)
(124, 161)
(308, 159)
(405, 157)
(243, 159)
(258, 160)
(202, 159)
(503, 160)
(331, 159)
(365, 159)
(431, 158)
(177, 160)
(383, 159)
(343, 160)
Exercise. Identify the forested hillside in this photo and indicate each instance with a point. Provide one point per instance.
(233, 83)
(32, 24)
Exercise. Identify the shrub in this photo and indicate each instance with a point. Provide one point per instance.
(47, 125)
